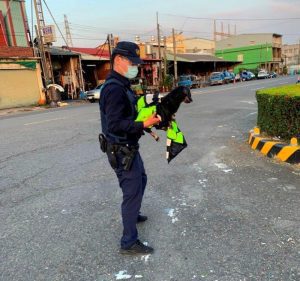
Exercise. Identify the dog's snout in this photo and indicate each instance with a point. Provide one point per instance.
(188, 99)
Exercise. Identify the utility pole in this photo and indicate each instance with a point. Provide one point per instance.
(46, 66)
(165, 57)
(68, 32)
(175, 58)
(215, 35)
(299, 52)
(109, 36)
(159, 51)
(222, 30)
(266, 56)
(222, 33)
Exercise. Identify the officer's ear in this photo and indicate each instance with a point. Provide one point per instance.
(117, 59)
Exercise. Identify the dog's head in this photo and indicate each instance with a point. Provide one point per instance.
(187, 94)
(179, 94)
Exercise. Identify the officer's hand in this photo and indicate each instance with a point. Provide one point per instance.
(153, 120)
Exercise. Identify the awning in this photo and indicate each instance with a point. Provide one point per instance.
(193, 58)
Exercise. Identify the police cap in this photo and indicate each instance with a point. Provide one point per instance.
(129, 50)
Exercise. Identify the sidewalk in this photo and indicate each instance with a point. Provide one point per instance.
(23, 109)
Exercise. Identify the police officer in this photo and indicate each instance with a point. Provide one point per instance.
(122, 133)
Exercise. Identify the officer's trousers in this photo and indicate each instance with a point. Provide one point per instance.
(132, 183)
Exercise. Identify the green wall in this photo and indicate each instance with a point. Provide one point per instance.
(253, 56)
(20, 34)
(15, 8)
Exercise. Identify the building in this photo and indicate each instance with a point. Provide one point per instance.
(200, 65)
(20, 72)
(190, 45)
(20, 78)
(67, 71)
(199, 45)
(95, 65)
(291, 57)
(14, 29)
(254, 51)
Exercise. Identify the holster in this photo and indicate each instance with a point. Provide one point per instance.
(103, 143)
(125, 153)
(129, 154)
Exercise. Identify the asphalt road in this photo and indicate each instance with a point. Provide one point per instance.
(219, 211)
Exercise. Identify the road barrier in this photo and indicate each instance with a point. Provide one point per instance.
(289, 153)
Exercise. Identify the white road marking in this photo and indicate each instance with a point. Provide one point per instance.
(121, 275)
(223, 167)
(44, 121)
(246, 101)
(240, 86)
(252, 113)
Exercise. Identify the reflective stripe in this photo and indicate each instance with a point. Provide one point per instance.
(174, 133)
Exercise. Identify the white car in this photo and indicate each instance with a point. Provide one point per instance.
(263, 74)
(94, 94)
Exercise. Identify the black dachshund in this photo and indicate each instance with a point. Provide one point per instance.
(168, 106)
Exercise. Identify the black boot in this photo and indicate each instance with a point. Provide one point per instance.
(138, 248)
(141, 218)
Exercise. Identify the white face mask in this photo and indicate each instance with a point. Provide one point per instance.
(131, 72)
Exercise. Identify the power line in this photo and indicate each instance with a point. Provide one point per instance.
(122, 31)
(232, 19)
(55, 22)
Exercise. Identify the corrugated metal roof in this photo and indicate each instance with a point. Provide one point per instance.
(55, 51)
(194, 58)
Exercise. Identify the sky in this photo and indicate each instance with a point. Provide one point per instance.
(91, 20)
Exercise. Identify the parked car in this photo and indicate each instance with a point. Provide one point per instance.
(191, 81)
(94, 94)
(227, 77)
(247, 76)
(185, 80)
(273, 74)
(263, 74)
(216, 78)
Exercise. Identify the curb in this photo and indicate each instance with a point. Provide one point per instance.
(26, 109)
(289, 153)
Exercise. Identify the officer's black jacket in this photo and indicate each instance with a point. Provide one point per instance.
(117, 108)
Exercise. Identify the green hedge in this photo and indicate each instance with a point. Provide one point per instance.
(279, 111)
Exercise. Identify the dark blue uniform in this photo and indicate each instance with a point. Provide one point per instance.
(117, 106)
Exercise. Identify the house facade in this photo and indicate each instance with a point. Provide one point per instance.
(254, 51)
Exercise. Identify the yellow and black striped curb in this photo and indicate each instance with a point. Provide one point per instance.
(274, 149)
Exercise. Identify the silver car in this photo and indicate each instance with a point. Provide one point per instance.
(94, 94)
